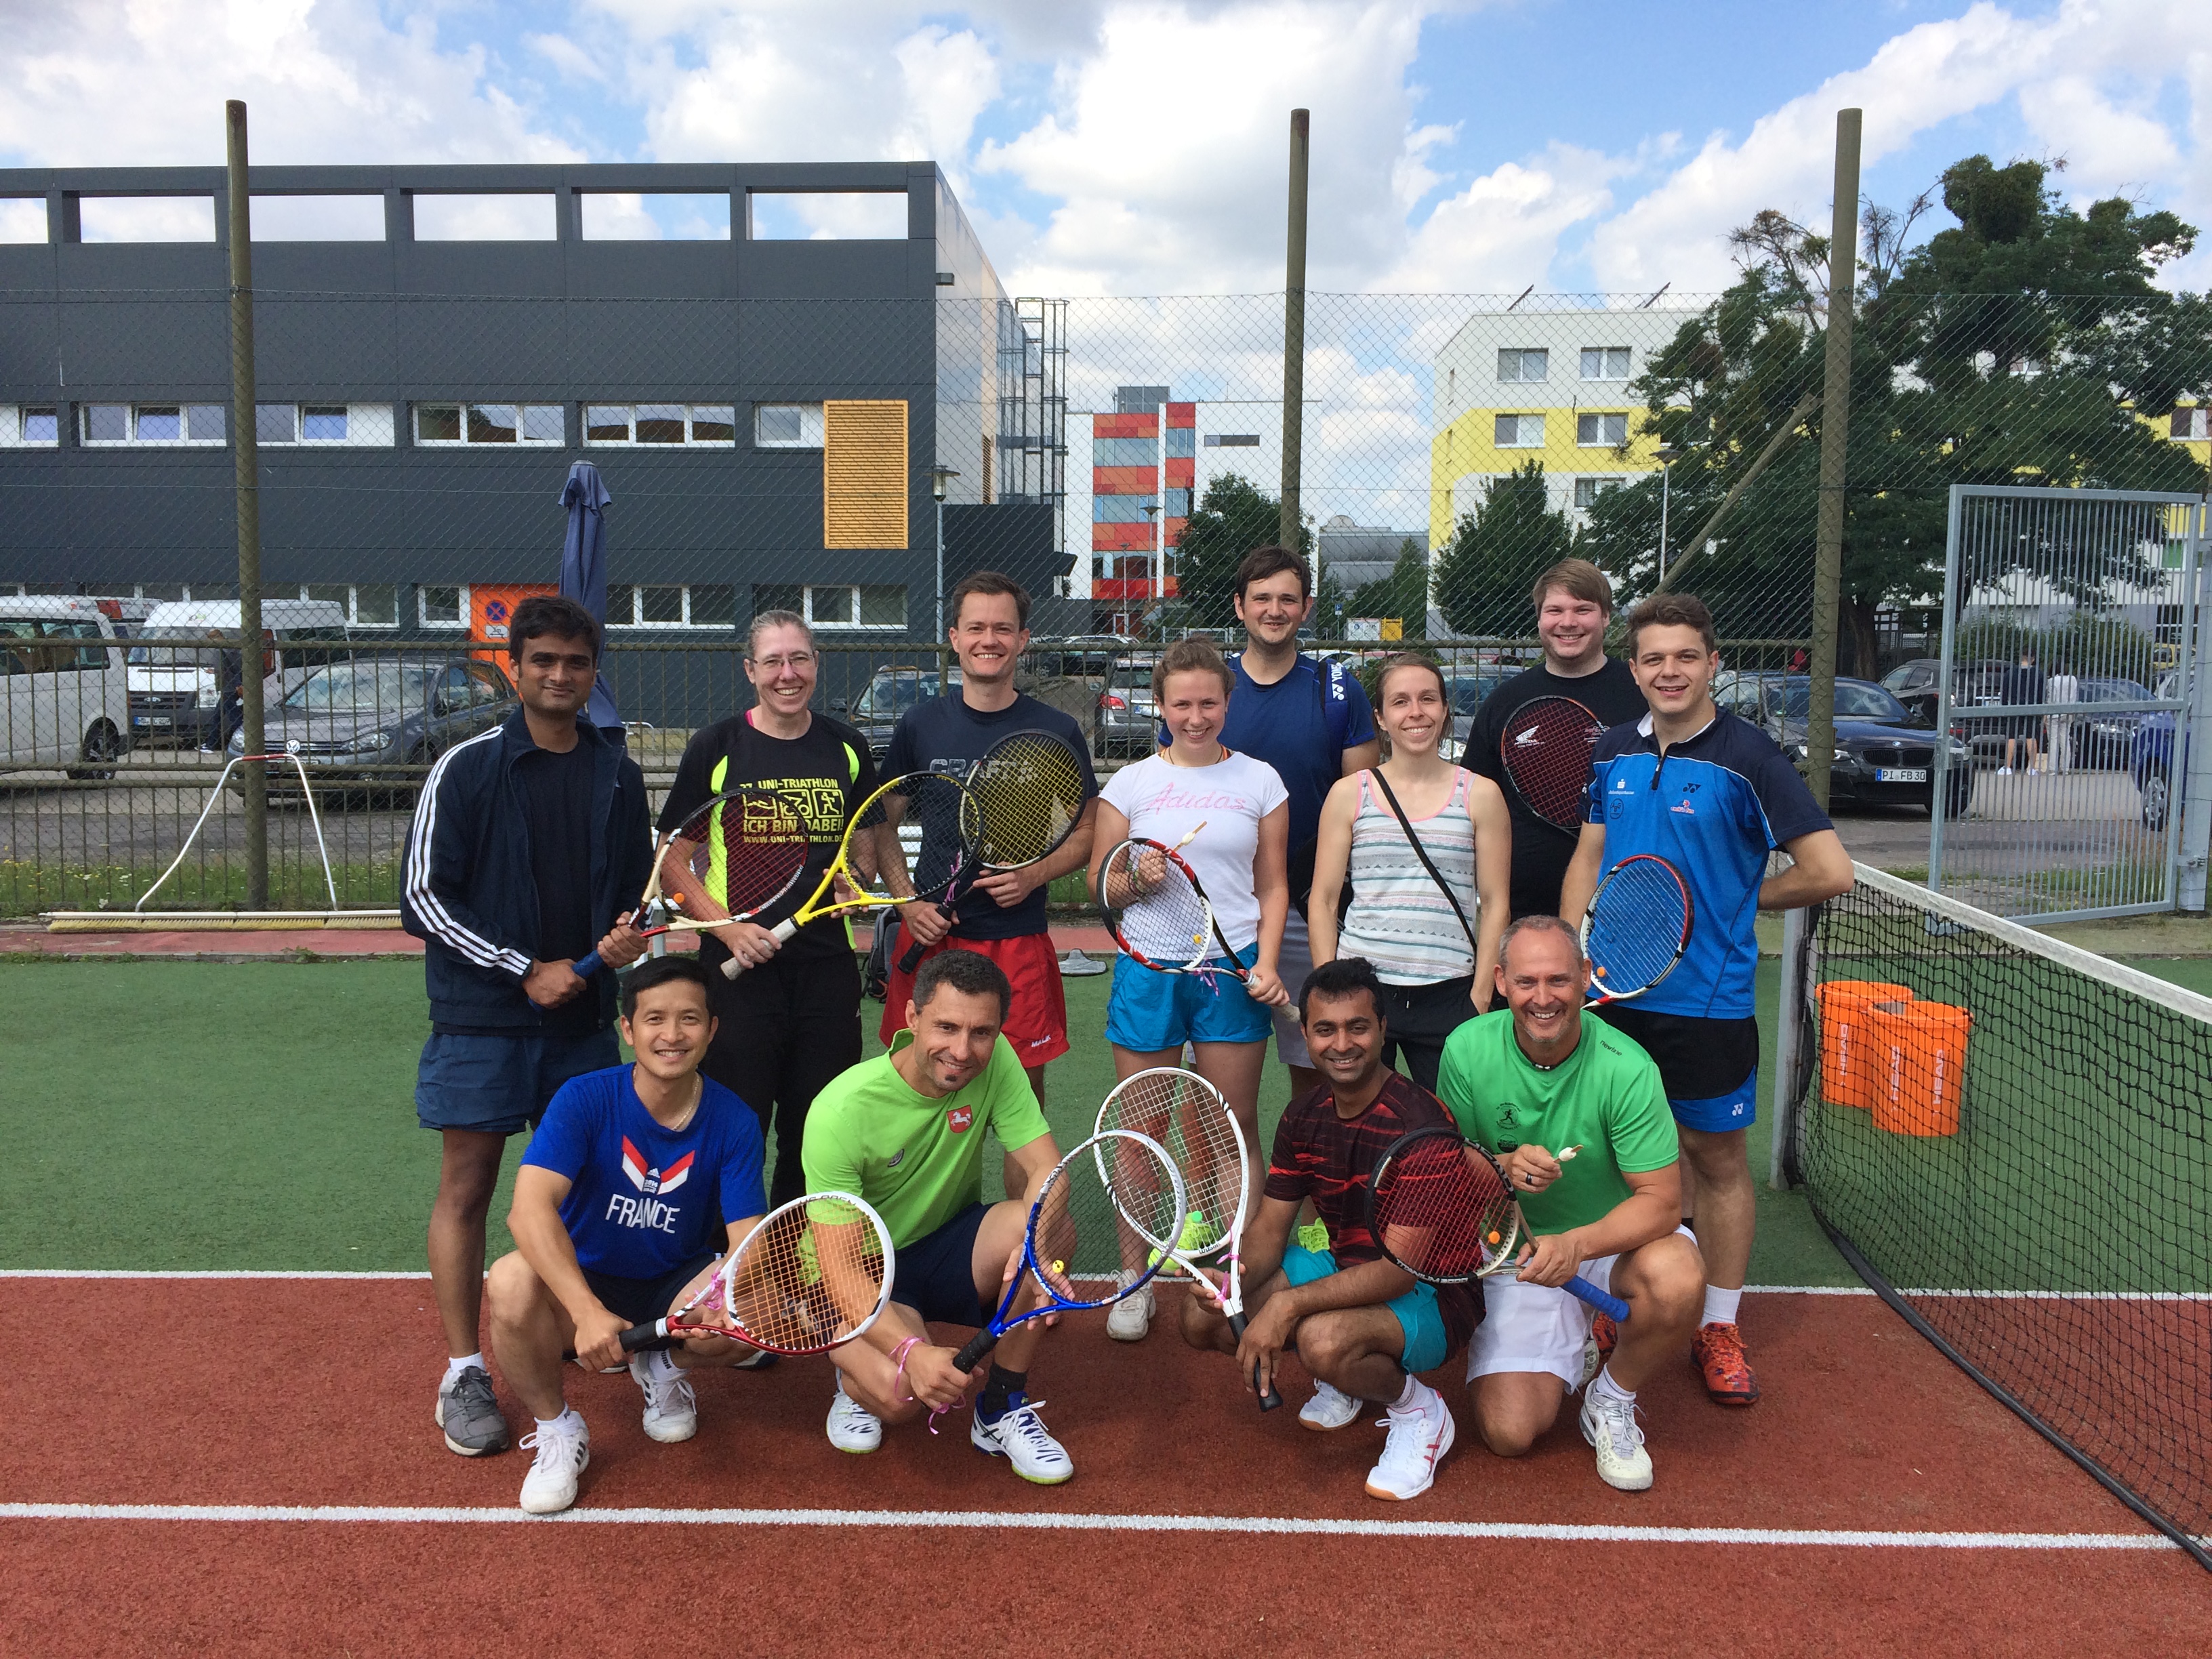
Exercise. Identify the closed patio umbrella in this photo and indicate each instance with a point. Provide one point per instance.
(584, 572)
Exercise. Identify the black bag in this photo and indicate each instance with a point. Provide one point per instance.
(1298, 868)
(876, 967)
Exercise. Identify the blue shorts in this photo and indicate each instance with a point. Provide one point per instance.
(935, 1275)
(502, 1085)
(1150, 1010)
(1709, 1068)
(1427, 1344)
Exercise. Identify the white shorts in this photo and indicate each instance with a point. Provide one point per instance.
(1292, 967)
(1537, 1327)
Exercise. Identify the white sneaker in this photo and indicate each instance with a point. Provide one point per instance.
(2004, 771)
(853, 1427)
(1127, 1320)
(1329, 1408)
(1021, 1438)
(1610, 1424)
(564, 1451)
(1420, 1435)
(672, 1409)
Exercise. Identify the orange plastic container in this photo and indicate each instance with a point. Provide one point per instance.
(1847, 1071)
(1919, 1050)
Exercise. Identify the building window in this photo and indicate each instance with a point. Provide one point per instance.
(660, 423)
(1520, 432)
(1592, 430)
(1586, 490)
(2188, 424)
(29, 425)
(442, 607)
(487, 423)
(1605, 362)
(322, 424)
(144, 423)
(1523, 364)
(1121, 509)
(868, 605)
(368, 604)
(1125, 452)
(786, 426)
(1178, 505)
(712, 604)
(355, 426)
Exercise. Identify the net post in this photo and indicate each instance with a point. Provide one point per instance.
(247, 458)
(1789, 1038)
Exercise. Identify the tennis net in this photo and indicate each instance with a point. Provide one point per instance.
(2007, 1137)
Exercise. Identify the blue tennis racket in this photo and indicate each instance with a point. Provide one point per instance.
(1636, 927)
(1071, 1250)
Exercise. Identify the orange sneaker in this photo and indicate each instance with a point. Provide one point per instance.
(1717, 1353)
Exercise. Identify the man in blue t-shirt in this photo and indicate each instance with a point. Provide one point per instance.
(636, 1181)
(1311, 721)
(1713, 796)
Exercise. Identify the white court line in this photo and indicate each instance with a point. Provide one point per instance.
(1263, 1525)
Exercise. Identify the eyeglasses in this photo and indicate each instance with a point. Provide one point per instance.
(777, 665)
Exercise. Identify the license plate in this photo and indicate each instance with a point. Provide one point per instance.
(1900, 774)
(152, 720)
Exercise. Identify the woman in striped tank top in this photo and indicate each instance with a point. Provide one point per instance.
(1438, 969)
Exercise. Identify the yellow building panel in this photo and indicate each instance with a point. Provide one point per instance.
(864, 473)
(1469, 444)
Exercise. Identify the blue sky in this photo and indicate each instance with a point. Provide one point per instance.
(1136, 146)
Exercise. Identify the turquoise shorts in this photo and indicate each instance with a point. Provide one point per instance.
(1150, 1010)
(1426, 1344)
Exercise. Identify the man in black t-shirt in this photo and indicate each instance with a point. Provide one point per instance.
(1574, 603)
(1003, 915)
(791, 1022)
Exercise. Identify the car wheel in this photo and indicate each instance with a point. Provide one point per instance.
(103, 745)
(1957, 795)
(2156, 802)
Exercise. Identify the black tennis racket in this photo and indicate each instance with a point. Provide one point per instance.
(1030, 789)
(1545, 752)
(1072, 1249)
(1158, 912)
(1636, 927)
(1440, 1208)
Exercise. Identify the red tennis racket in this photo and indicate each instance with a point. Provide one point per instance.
(1545, 752)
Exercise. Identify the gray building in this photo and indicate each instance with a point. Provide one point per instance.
(766, 410)
(1357, 553)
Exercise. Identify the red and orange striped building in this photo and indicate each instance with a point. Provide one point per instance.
(1128, 472)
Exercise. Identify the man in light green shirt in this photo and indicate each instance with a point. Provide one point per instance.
(1527, 1080)
(905, 1132)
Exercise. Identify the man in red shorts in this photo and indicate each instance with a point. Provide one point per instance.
(1003, 915)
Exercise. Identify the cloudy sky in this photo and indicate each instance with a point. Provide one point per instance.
(1137, 146)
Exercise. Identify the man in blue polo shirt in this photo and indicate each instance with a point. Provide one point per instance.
(1711, 795)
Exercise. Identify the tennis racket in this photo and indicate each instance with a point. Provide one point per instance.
(811, 1276)
(934, 808)
(1187, 1115)
(1545, 752)
(727, 861)
(1071, 1249)
(1158, 912)
(1030, 788)
(1636, 927)
(1440, 1208)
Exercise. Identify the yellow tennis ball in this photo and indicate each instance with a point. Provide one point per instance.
(1060, 1266)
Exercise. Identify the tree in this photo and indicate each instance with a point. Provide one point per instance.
(1403, 594)
(1485, 571)
(1234, 517)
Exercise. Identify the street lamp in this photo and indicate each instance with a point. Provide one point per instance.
(940, 479)
(1159, 559)
(1668, 455)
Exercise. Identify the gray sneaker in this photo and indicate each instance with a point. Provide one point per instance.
(470, 1415)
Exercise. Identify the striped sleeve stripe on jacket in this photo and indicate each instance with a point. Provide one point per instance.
(427, 905)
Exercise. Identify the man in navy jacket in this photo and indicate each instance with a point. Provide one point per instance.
(529, 848)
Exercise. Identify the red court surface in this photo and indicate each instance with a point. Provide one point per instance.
(299, 1499)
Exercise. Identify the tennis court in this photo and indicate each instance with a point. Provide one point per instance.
(242, 1460)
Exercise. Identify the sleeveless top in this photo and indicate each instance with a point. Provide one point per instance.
(1399, 920)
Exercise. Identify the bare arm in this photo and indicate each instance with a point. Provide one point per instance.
(1108, 831)
(1271, 883)
(1008, 888)
(1652, 1209)
(1583, 872)
(1360, 756)
(1821, 871)
(534, 1219)
(1493, 882)
(1332, 858)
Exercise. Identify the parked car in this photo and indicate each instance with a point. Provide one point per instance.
(2152, 764)
(1125, 721)
(352, 722)
(62, 697)
(1466, 692)
(189, 694)
(1977, 684)
(875, 712)
(1883, 757)
(2104, 741)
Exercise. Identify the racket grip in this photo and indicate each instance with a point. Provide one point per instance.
(1270, 1399)
(586, 965)
(978, 1344)
(653, 1335)
(1611, 1305)
(910, 959)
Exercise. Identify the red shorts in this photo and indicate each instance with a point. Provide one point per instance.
(1036, 1022)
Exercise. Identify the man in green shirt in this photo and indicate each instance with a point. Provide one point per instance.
(905, 1132)
(1525, 1080)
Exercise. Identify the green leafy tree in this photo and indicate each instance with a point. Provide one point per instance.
(1496, 553)
(1403, 594)
(1234, 517)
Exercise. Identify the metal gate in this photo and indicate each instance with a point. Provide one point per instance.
(2066, 685)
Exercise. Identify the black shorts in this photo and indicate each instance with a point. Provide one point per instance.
(1709, 1068)
(641, 1301)
(935, 1275)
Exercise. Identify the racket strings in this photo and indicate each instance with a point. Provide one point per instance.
(1546, 751)
(1442, 1208)
(1030, 792)
(1116, 1182)
(734, 857)
(807, 1278)
(1191, 1122)
(939, 830)
(1638, 923)
(1154, 907)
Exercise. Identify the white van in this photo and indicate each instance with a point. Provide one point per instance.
(189, 693)
(67, 704)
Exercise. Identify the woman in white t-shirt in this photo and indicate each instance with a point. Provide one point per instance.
(1434, 945)
(1239, 858)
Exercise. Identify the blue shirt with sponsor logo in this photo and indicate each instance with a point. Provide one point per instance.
(1713, 808)
(1301, 726)
(644, 1199)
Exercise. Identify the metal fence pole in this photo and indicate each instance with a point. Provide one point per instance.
(2191, 729)
(245, 451)
(1294, 332)
(1835, 422)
